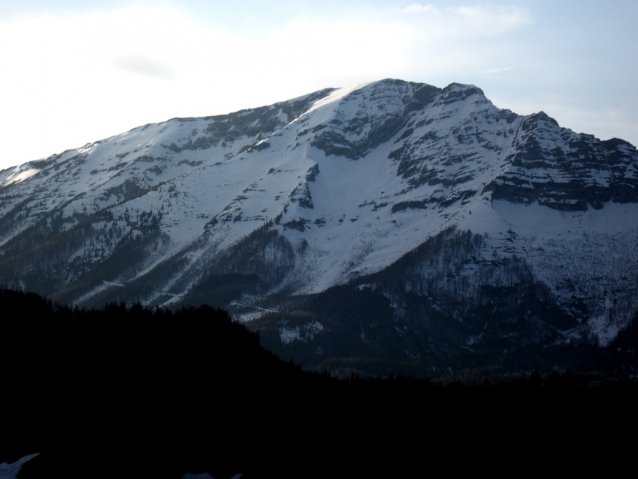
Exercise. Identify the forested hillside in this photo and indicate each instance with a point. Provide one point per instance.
(141, 392)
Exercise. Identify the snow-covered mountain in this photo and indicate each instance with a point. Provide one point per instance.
(383, 219)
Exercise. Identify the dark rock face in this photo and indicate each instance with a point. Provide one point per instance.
(355, 138)
(256, 123)
(568, 172)
(420, 307)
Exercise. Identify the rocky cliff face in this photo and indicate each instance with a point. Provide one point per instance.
(389, 219)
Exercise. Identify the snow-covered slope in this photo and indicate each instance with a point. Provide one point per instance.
(260, 210)
(11, 470)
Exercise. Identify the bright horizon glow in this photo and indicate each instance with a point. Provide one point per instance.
(75, 74)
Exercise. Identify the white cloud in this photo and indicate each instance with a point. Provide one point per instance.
(78, 78)
(418, 8)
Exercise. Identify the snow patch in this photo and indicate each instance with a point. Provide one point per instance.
(10, 471)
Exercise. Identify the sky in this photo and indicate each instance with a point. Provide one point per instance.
(73, 72)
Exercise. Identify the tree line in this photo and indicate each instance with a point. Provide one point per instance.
(137, 391)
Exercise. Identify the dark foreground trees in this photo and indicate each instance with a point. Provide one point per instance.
(136, 392)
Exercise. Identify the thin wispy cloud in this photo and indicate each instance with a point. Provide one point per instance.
(145, 66)
(462, 22)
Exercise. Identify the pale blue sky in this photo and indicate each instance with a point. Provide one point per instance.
(74, 72)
